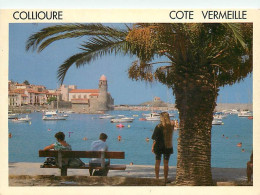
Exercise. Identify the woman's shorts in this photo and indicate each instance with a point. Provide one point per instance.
(158, 156)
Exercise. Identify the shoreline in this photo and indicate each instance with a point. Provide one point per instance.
(23, 173)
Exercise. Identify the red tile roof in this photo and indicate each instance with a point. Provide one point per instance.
(18, 91)
(36, 92)
(94, 94)
(84, 91)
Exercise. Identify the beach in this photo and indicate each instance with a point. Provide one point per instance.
(30, 174)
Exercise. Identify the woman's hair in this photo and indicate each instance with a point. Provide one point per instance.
(60, 136)
(167, 129)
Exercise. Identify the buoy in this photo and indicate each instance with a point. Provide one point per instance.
(49, 129)
(119, 138)
(84, 138)
(129, 126)
(120, 125)
(30, 123)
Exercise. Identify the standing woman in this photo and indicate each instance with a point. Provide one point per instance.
(162, 143)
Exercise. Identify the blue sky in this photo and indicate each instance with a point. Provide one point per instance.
(41, 68)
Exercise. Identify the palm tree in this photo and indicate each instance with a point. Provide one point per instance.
(200, 59)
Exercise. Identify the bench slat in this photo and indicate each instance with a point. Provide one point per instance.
(82, 154)
(110, 167)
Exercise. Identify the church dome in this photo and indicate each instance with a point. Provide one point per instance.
(103, 78)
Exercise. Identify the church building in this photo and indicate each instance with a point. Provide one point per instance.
(91, 100)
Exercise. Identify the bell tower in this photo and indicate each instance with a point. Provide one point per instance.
(102, 98)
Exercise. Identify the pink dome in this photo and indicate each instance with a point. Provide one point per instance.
(103, 78)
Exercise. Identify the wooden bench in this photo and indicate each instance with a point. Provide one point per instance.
(59, 155)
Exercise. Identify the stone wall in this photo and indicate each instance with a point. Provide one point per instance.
(61, 104)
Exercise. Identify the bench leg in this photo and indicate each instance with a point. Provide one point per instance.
(90, 171)
(106, 171)
(63, 171)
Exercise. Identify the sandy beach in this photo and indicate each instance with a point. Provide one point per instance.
(30, 174)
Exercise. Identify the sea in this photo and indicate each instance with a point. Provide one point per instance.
(81, 129)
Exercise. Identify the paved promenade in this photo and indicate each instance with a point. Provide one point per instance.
(135, 171)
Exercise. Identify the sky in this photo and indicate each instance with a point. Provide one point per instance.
(41, 69)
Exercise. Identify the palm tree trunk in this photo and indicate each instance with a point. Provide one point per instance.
(196, 105)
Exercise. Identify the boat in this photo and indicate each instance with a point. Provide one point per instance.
(217, 122)
(152, 113)
(153, 117)
(53, 116)
(107, 116)
(12, 115)
(122, 120)
(155, 114)
(245, 113)
(171, 114)
(24, 119)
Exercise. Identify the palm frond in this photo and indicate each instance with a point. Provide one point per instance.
(50, 34)
(67, 64)
(237, 32)
(94, 49)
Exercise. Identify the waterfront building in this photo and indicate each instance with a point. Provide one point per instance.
(64, 91)
(22, 94)
(100, 99)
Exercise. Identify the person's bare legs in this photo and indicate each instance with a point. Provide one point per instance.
(249, 171)
(166, 168)
(157, 168)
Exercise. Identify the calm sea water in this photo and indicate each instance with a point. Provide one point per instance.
(29, 138)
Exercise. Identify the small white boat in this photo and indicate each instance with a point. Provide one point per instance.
(217, 122)
(153, 117)
(107, 116)
(69, 111)
(24, 119)
(171, 115)
(122, 120)
(151, 114)
(53, 116)
(245, 114)
(12, 116)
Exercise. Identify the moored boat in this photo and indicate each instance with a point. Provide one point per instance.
(153, 117)
(217, 122)
(53, 116)
(107, 116)
(24, 119)
(245, 113)
(12, 115)
(122, 120)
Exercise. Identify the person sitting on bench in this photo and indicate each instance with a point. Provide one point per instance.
(250, 168)
(60, 144)
(99, 145)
